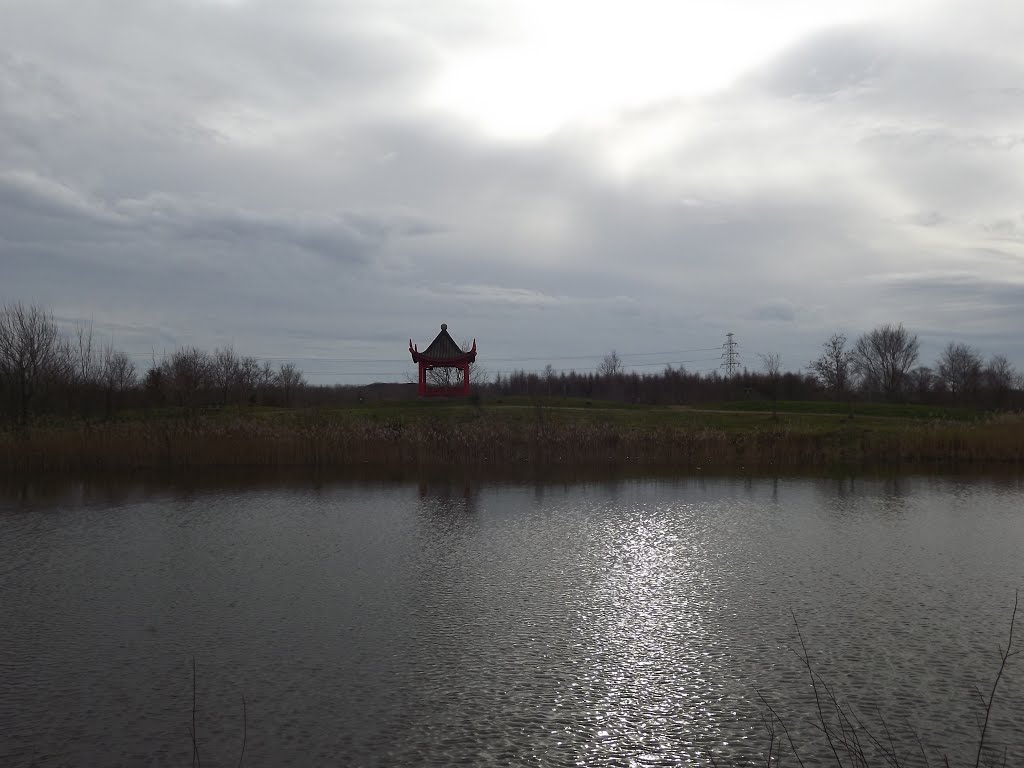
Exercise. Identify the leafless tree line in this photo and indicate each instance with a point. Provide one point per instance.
(880, 364)
(666, 387)
(884, 362)
(44, 371)
(191, 377)
(40, 365)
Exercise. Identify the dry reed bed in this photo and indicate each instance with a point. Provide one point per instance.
(314, 442)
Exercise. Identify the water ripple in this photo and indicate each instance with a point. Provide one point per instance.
(629, 624)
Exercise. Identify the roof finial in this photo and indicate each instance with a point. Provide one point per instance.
(444, 326)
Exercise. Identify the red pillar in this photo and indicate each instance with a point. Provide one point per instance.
(422, 389)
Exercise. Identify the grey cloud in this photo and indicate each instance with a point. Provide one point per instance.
(253, 173)
(899, 76)
(125, 93)
(211, 52)
(1006, 228)
(838, 60)
(941, 140)
(775, 312)
(349, 236)
(929, 218)
(346, 235)
(934, 124)
(964, 291)
(32, 193)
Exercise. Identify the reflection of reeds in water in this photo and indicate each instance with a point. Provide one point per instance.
(329, 442)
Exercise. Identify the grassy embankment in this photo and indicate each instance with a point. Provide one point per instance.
(519, 431)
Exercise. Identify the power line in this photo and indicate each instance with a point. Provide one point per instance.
(515, 370)
(403, 375)
(556, 358)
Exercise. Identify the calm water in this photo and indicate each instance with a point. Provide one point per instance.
(588, 624)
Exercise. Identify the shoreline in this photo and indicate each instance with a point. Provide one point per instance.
(503, 439)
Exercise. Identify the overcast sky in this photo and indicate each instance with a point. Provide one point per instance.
(324, 179)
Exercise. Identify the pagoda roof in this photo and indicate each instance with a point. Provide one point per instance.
(443, 350)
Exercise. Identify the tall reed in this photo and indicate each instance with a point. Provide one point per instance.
(489, 441)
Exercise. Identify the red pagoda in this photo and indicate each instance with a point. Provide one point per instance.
(443, 352)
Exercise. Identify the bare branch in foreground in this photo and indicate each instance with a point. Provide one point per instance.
(1005, 655)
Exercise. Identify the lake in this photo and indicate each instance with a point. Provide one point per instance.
(625, 622)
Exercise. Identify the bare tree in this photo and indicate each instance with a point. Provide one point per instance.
(290, 380)
(549, 377)
(834, 367)
(884, 357)
(264, 379)
(611, 365)
(478, 375)
(249, 376)
(154, 383)
(772, 365)
(452, 377)
(33, 355)
(187, 373)
(87, 364)
(117, 373)
(960, 370)
(226, 369)
(999, 378)
(441, 377)
(921, 381)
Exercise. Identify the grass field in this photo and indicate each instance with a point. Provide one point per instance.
(515, 431)
(854, 409)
